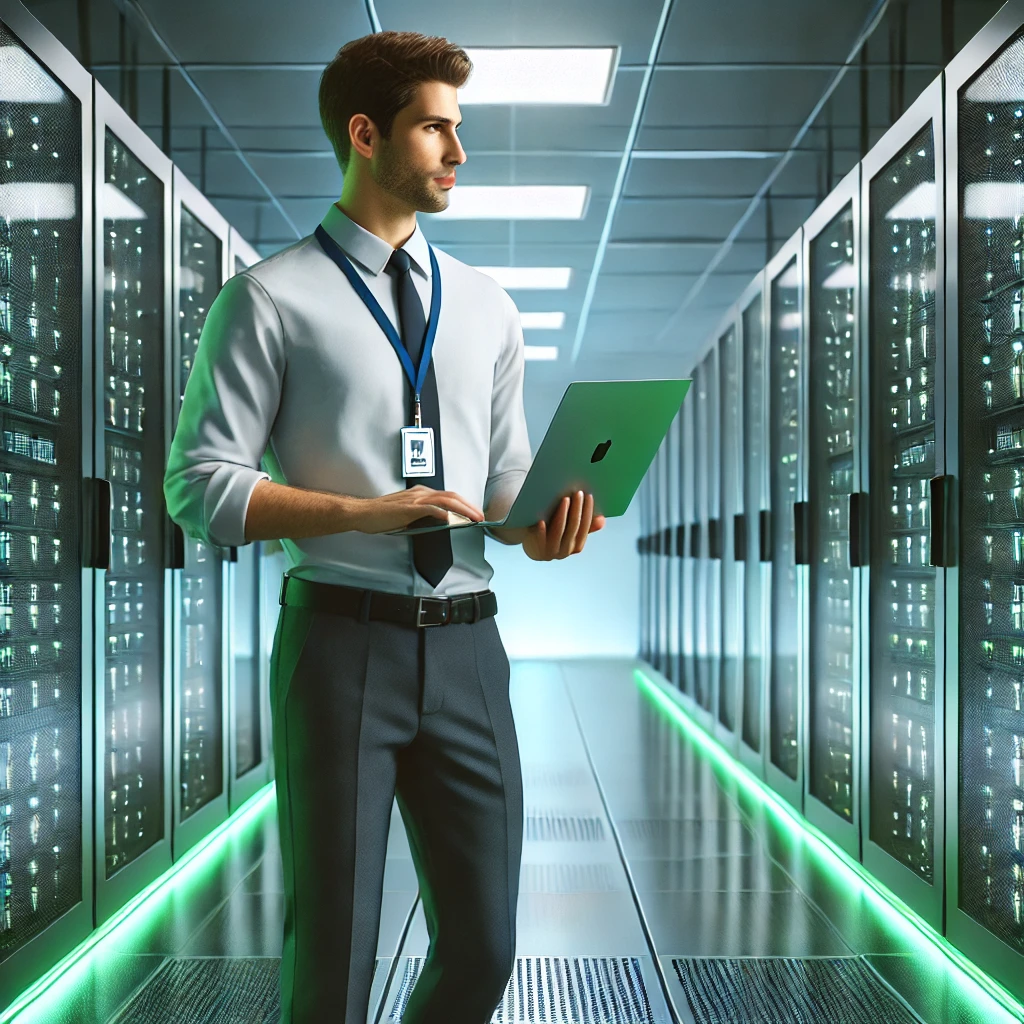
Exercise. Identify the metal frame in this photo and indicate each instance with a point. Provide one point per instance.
(791, 790)
(846, 834)
(752, 759)
(31, 960)
(725, 463)
(661, 560)
(701, 638)
(242, 787)
(984, 948)
(687, 638)
(672, 561)
(186, 834)
(113, 893)
(926, 899)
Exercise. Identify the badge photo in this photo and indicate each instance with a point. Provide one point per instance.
(417, 451)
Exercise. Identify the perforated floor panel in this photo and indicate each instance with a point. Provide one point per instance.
(841, 990)
(559, 990)
(209, 990)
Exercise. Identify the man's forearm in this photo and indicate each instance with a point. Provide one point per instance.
(277, 510)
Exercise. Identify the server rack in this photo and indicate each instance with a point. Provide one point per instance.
(750, 523)
(660, 465)
(48, 504)
(133, 184)
(641, 548)
(201, 653)
(249, 767)
(836, 514)
(684, 552)
(729, 475)
(985, 432)
(902, 788)
(702, 597)
(787, 501)
(669, 542)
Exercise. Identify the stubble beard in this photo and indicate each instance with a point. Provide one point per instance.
(398, 180)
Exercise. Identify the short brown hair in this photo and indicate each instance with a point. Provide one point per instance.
(377, 75)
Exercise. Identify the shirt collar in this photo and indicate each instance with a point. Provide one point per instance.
(372, 251)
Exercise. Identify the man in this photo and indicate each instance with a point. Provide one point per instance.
(300, 365)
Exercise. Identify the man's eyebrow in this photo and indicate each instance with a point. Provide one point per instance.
(442, 120)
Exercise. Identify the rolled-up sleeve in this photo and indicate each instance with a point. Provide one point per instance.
(229, 407)
(510, 455)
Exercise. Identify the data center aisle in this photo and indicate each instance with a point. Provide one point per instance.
(635, 836)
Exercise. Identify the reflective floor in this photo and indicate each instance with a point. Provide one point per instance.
(654, 887)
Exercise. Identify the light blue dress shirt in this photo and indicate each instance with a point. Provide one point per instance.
(293, 381)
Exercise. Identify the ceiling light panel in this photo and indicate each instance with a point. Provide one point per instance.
(548, 75)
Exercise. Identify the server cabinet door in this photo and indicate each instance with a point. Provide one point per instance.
(834, 688)
(787, 501)
(686, 560)
(133, 706)
(730, 636)
(754, 552)
(201, 672)
(703, 694)
(661, 562)
(903, 785)
(985, 322)
(46, 604)
(671, 561)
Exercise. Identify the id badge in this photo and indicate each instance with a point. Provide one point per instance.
(417, 451)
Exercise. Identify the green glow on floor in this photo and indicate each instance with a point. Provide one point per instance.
(996, 1002)
(188, 873)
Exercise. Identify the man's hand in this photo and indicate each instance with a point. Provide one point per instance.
(566, 532)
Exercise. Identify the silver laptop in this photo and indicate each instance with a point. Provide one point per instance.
(601, 440)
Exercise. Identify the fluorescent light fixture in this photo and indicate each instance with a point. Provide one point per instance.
(542, 321)
(529, 277)
(993, 1002)
(1001, 81)
(37, 200)
(117, 206)
(22, 80)
(920, 203)
(540, 351)
(705, 154)
(580, 75)
(994, 200)
(843, 277)
(516, 202)
(790, 321)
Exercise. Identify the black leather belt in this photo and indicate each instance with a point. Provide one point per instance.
(378, 604)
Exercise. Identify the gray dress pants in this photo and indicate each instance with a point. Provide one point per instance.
(364, 711)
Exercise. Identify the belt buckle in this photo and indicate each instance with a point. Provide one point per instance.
(421, 609)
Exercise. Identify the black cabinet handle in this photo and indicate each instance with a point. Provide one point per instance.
(714, 538)
(941, 542)
(695, 540)
(801, 532)
(739, 537)
(639, 545)
(766, 535)
(232, 554)
(681, 539)
(177, 553)
(858, 542)
(96, 496)
(666, 541)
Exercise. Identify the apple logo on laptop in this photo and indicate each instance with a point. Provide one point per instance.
(600, 451)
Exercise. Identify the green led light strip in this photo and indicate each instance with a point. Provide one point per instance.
(141, 907)
(834, 859)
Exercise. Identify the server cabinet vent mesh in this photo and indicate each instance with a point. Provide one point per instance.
(210, 990)
(559, 990)
(545, 826)
(840, 990)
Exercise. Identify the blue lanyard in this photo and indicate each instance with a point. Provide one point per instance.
(416, 379)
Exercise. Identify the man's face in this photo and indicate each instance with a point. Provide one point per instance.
(417, 164)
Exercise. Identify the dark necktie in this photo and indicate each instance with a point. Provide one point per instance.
(431, 552)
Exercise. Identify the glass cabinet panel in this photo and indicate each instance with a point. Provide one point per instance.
(833, 306)
(729, 478)
(699, 393)
(755, 451)
(133, 424)
(40, 498)
(201, 672)
(991, 516)
(903, 585)
(785, 426)
(687, 515)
